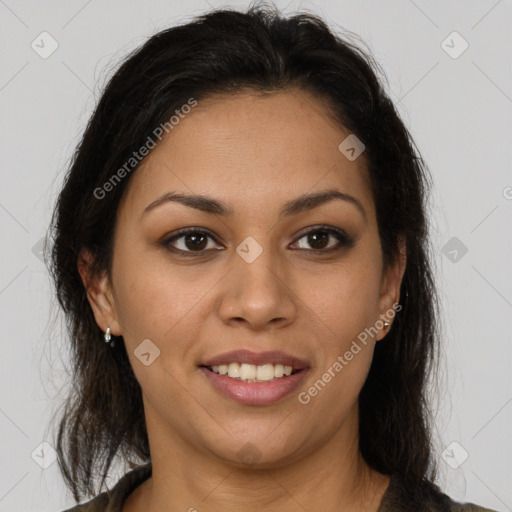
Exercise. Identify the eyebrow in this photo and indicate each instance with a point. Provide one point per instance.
(298, 205)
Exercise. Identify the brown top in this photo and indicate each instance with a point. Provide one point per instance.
(395, 499)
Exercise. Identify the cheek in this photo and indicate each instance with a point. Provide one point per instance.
(151, 296)
(342, 308)
(344, 354)
(343, 300)
(158, 307)
(168, 306)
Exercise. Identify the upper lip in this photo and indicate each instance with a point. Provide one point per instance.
(257, 358)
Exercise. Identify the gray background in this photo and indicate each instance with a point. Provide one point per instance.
(460, 113)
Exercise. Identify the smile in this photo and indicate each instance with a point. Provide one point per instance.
(251, 373)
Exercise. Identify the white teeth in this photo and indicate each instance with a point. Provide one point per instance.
(233, 370)
(247, 371)
(253, 373)
(265, 372)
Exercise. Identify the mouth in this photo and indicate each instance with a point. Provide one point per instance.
(254, 392)
(254, 373)
(255, 378)
(250, 366)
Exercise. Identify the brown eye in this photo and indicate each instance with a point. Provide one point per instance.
(190, 241)
(318, 239)
(195, 241)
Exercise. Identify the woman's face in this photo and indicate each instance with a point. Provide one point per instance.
(254, 281)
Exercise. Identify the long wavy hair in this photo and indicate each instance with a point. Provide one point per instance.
(225, 51)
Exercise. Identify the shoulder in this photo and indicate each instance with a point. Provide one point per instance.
(426, 497)
(98, 504)
(113, 499)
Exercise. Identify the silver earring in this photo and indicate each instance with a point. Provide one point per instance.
(107, 335)
(386, 325)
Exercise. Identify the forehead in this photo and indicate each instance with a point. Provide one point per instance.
(254, 149)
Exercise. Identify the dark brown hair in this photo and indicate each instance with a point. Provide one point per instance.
(225, 51)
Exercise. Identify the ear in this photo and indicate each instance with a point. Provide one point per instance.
(99, 294)
(390, 288)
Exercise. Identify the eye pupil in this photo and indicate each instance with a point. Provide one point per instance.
(315, 236)
(195, 238)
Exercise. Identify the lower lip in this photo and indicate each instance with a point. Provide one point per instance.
(255, 393)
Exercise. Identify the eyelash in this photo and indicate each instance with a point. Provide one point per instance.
(344, 241)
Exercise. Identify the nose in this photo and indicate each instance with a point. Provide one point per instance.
(258, 294)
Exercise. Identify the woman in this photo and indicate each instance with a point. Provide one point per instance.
(241, 249)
